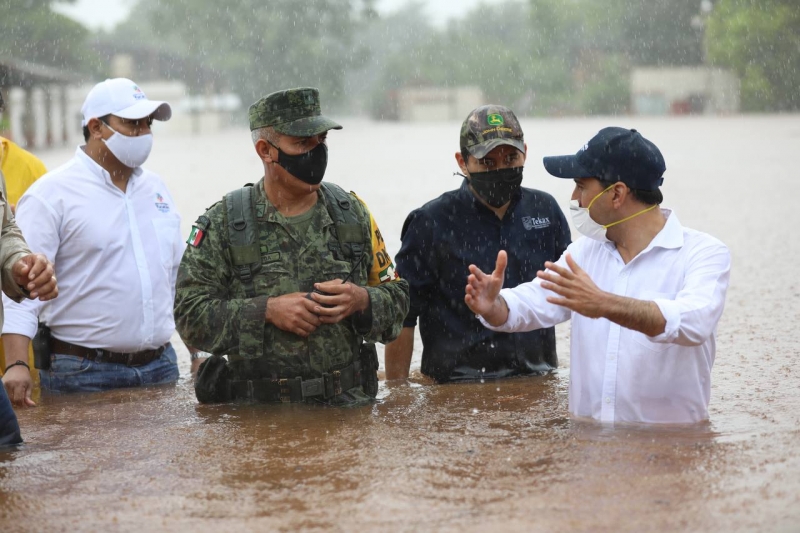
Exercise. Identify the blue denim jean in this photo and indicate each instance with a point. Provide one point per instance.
(9, 428)
(68, 373)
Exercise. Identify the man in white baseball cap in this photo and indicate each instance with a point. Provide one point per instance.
(113, 232)
(123, 98)
(119, 105)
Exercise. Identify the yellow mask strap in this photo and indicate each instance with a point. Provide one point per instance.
(599, 195)
(630, 217)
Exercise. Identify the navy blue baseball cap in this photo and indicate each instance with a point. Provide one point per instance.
(614, 154)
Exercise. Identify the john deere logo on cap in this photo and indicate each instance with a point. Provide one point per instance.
(495, 120)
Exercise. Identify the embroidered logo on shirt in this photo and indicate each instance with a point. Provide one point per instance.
(530, 223)
(161, 205)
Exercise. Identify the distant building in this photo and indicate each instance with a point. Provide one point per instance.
(432, 104)
(37, 112)
(684, 91)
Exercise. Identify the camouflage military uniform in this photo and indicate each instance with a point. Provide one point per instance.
(212, 311)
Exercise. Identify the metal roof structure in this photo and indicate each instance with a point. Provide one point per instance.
(24, 74)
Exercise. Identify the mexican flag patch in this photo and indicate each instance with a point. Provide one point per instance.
(195, 237)
(387, 274)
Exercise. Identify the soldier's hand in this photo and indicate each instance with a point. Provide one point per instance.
(36, 274)
(293, 313)
(19, 386)
(340, 301)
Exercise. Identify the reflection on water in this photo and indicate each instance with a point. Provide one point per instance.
(496, 454)
(499, 455)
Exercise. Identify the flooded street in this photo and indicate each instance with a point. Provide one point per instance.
(493, 456)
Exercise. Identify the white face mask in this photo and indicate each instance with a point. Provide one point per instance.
(131, 151)
(585, 225)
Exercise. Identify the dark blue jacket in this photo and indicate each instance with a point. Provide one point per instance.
(440, 240)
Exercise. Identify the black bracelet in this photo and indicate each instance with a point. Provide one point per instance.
(19, 362)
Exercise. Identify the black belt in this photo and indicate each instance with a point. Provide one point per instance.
(128, 359)
(296, 389)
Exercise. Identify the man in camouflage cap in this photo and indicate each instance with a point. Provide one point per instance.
(491, 211)
(290, 277)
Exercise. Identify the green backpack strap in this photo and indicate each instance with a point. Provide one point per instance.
(352, 233)
(243, 234)
(352, 236)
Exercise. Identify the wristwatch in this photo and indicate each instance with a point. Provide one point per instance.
(194, 356)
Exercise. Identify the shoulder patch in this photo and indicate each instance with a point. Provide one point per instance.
(198, 232)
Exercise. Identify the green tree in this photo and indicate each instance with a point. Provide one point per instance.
(760, 41)
(31, 30)
(658, 32)
(259, 47)
(494, 47)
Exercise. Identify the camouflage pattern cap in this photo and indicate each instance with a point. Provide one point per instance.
(488, 127)
(294, 112)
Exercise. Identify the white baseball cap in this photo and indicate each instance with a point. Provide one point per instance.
(122, 98)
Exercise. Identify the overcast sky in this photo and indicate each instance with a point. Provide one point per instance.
(107, 13)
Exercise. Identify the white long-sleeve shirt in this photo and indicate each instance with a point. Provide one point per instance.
(116, 257)
(618, 374)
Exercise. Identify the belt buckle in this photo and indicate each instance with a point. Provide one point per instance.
(337, 382)
(130, 359)
(286, 392)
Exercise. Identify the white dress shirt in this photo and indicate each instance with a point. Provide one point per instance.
(116, 257)
(618, 374)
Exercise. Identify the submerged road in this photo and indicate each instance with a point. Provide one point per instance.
(493, 456)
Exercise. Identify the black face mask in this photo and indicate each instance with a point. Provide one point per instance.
(308, 167)
(496, 187)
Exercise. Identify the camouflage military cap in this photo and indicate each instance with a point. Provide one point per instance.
(293, 112)
(488, 127)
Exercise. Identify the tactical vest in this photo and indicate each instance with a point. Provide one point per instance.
(351, 234)
(348, 240)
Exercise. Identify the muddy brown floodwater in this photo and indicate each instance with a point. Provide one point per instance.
(493, 456)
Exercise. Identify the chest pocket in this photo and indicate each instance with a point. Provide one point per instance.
(274, 275)
(168, 234)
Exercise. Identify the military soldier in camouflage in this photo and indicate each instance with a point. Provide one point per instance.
(289, 277)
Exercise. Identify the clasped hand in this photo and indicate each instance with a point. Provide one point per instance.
(36, 275)
(298, 314)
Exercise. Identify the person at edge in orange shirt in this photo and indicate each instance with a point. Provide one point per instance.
(21, 168)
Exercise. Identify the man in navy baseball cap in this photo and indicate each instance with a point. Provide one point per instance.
(643, 293)
(614, 154)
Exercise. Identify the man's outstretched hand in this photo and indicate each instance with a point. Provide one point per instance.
(483, 292)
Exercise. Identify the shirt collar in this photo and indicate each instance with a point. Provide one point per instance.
(271, 213)
(99, 171)
(671, 235)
